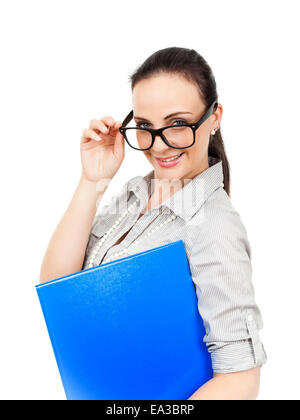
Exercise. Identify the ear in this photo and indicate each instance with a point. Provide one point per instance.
(218, 115)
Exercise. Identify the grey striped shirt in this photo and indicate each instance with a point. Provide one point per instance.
(218, 251)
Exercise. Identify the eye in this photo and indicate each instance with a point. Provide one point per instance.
(141, 124)
(180, 121)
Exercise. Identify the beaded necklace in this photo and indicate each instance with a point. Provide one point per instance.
(114, 226)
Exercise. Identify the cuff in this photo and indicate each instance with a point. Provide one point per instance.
(237, 355)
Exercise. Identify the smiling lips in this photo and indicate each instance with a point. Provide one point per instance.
(170, 161)
(168, 157)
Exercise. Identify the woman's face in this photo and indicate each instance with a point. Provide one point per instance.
(157, 97)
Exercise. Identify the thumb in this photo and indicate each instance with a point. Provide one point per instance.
(119, 146)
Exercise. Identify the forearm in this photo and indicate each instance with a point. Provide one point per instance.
(66, 249)
(233, 386)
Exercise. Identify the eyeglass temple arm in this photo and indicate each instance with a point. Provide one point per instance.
(127, 119)
(208, 113)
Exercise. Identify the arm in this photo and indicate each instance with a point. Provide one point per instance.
(243, 385)
(222, 272)
(66, 249)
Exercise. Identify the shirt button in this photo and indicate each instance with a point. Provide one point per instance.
(250, 318)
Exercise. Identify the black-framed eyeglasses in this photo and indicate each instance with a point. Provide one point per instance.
(179, 136)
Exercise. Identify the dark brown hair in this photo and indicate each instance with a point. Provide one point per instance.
(191, 65)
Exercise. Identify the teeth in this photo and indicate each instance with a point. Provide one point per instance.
(168, 160)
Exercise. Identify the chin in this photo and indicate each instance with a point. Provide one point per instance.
(171, 173)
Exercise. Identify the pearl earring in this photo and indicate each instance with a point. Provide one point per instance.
(213, 132)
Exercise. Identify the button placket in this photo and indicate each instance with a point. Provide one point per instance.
(135, 231)
(130, 238)
(140, 238)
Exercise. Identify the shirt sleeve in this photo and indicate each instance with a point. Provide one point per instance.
(222, 273)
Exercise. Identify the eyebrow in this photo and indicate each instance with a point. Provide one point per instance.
(166, 118)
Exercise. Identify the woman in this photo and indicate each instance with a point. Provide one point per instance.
(185, 198)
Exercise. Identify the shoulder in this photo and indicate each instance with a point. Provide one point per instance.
(218, 225)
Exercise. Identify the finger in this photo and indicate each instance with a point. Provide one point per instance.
(114, 128)
(119, 146)
(111, 128)
(108, 120)
(90, 134)
(99, 125)
(104, 123)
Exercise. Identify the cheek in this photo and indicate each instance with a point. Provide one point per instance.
(193, 152)
(201, 137)
(196, 152)
(202, 140)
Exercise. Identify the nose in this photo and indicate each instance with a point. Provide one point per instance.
(159, 146)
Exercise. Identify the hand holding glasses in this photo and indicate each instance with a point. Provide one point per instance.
(179, 136)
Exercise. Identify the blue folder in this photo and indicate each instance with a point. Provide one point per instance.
(128, 329)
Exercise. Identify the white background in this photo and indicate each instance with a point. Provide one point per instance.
(66, 62)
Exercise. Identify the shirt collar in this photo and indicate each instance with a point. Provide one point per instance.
(188, 199)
